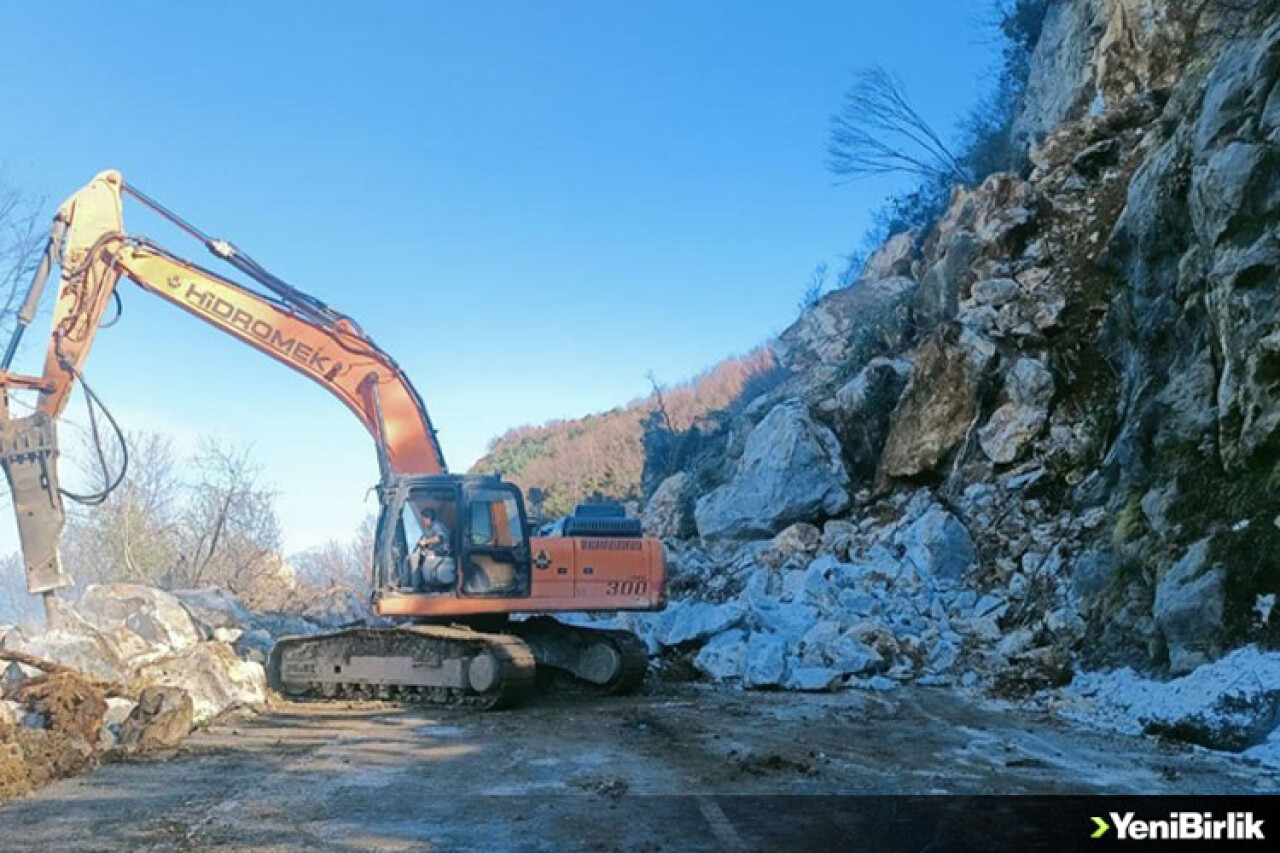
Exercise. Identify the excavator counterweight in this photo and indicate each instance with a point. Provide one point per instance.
(454, 562)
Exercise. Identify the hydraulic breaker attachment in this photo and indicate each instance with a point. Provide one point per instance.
(29, 454)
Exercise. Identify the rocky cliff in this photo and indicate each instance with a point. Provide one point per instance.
(1043, 436)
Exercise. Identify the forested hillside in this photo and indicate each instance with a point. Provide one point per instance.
(564, 462)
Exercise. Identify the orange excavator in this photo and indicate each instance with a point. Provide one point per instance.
(455, 567)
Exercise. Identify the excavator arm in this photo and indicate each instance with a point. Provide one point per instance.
(284, 323)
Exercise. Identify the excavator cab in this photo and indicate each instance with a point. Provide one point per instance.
(485, 553)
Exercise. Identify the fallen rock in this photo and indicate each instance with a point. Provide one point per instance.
(1213, 706)
(839, 537)
(1028, 389)
(92, 654)
(812, 679)
(689, 621)
(215, 678)
(766, 663)
(791, 470)
(724, 658)
(334, 607)
(152, 614)
(1010, 431)
(937, 544)
(162, 719)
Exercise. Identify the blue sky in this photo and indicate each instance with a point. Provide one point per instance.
(530, 205)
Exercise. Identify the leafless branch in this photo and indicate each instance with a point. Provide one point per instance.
(877, 131)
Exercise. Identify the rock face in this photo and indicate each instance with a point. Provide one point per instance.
(894, 258)
(791, 469)
(212, 675)
(1060, 81)
(1057, 449)
(935, 413)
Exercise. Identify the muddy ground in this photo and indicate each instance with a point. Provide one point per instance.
(582, 775)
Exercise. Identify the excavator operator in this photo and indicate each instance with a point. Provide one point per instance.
(433, 568)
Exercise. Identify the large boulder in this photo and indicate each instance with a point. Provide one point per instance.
(800, 540)
(935, 412)
(215, 678)
(690, 621)
(1230, 704)
(90, 653)
(724, 658)
(154, 615)
(862, 408)
(1189, 608)
(667, 514)
(791, 470)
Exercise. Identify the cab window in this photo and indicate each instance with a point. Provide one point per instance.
(495, 519)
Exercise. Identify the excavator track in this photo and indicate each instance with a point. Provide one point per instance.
(600, 661)
(428, 664)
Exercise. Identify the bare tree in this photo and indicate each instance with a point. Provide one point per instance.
(179, 523)
(16, 604)
(229, 533)
(877, 131)
(337, 563)
(132, 535)
(21, 240)
(814, 289)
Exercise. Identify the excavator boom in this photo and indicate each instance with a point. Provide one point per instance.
(290, 327)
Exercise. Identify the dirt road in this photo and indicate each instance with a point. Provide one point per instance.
(566, 775)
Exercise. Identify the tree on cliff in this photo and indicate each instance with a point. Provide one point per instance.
(877, 131)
